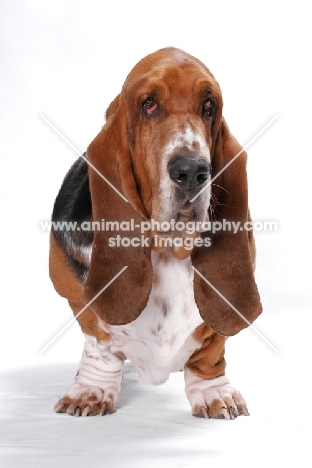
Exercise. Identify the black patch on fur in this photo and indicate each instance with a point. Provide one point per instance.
(73, 204)
(80, 269)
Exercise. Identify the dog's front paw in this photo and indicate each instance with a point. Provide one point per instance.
(84, 400)
(213, 398)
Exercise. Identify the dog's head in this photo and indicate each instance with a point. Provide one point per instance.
(163, 143)
(173, 107)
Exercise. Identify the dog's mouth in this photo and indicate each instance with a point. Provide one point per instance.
(180, 231)
(187, 212)
(187, 222)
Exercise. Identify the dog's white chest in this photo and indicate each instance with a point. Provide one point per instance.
(160, 340)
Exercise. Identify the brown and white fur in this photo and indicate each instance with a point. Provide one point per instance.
(163, 140)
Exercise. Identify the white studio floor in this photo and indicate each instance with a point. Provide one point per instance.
(153, 426)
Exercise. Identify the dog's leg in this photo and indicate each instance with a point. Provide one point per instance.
(206, 385)
(97, 383)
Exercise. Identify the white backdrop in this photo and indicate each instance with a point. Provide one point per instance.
(67, 60)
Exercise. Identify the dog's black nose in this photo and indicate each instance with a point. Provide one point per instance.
(189, 173)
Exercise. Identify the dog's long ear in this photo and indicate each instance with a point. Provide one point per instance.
(227, 264)
(123, 300)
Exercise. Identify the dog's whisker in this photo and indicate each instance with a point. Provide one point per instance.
(220, 186)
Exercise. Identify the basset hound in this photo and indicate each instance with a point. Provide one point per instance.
(145, 274)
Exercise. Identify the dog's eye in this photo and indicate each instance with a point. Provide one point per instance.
(209, 108)
(150, 107)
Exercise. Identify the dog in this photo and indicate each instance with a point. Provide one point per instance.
(147, 277)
